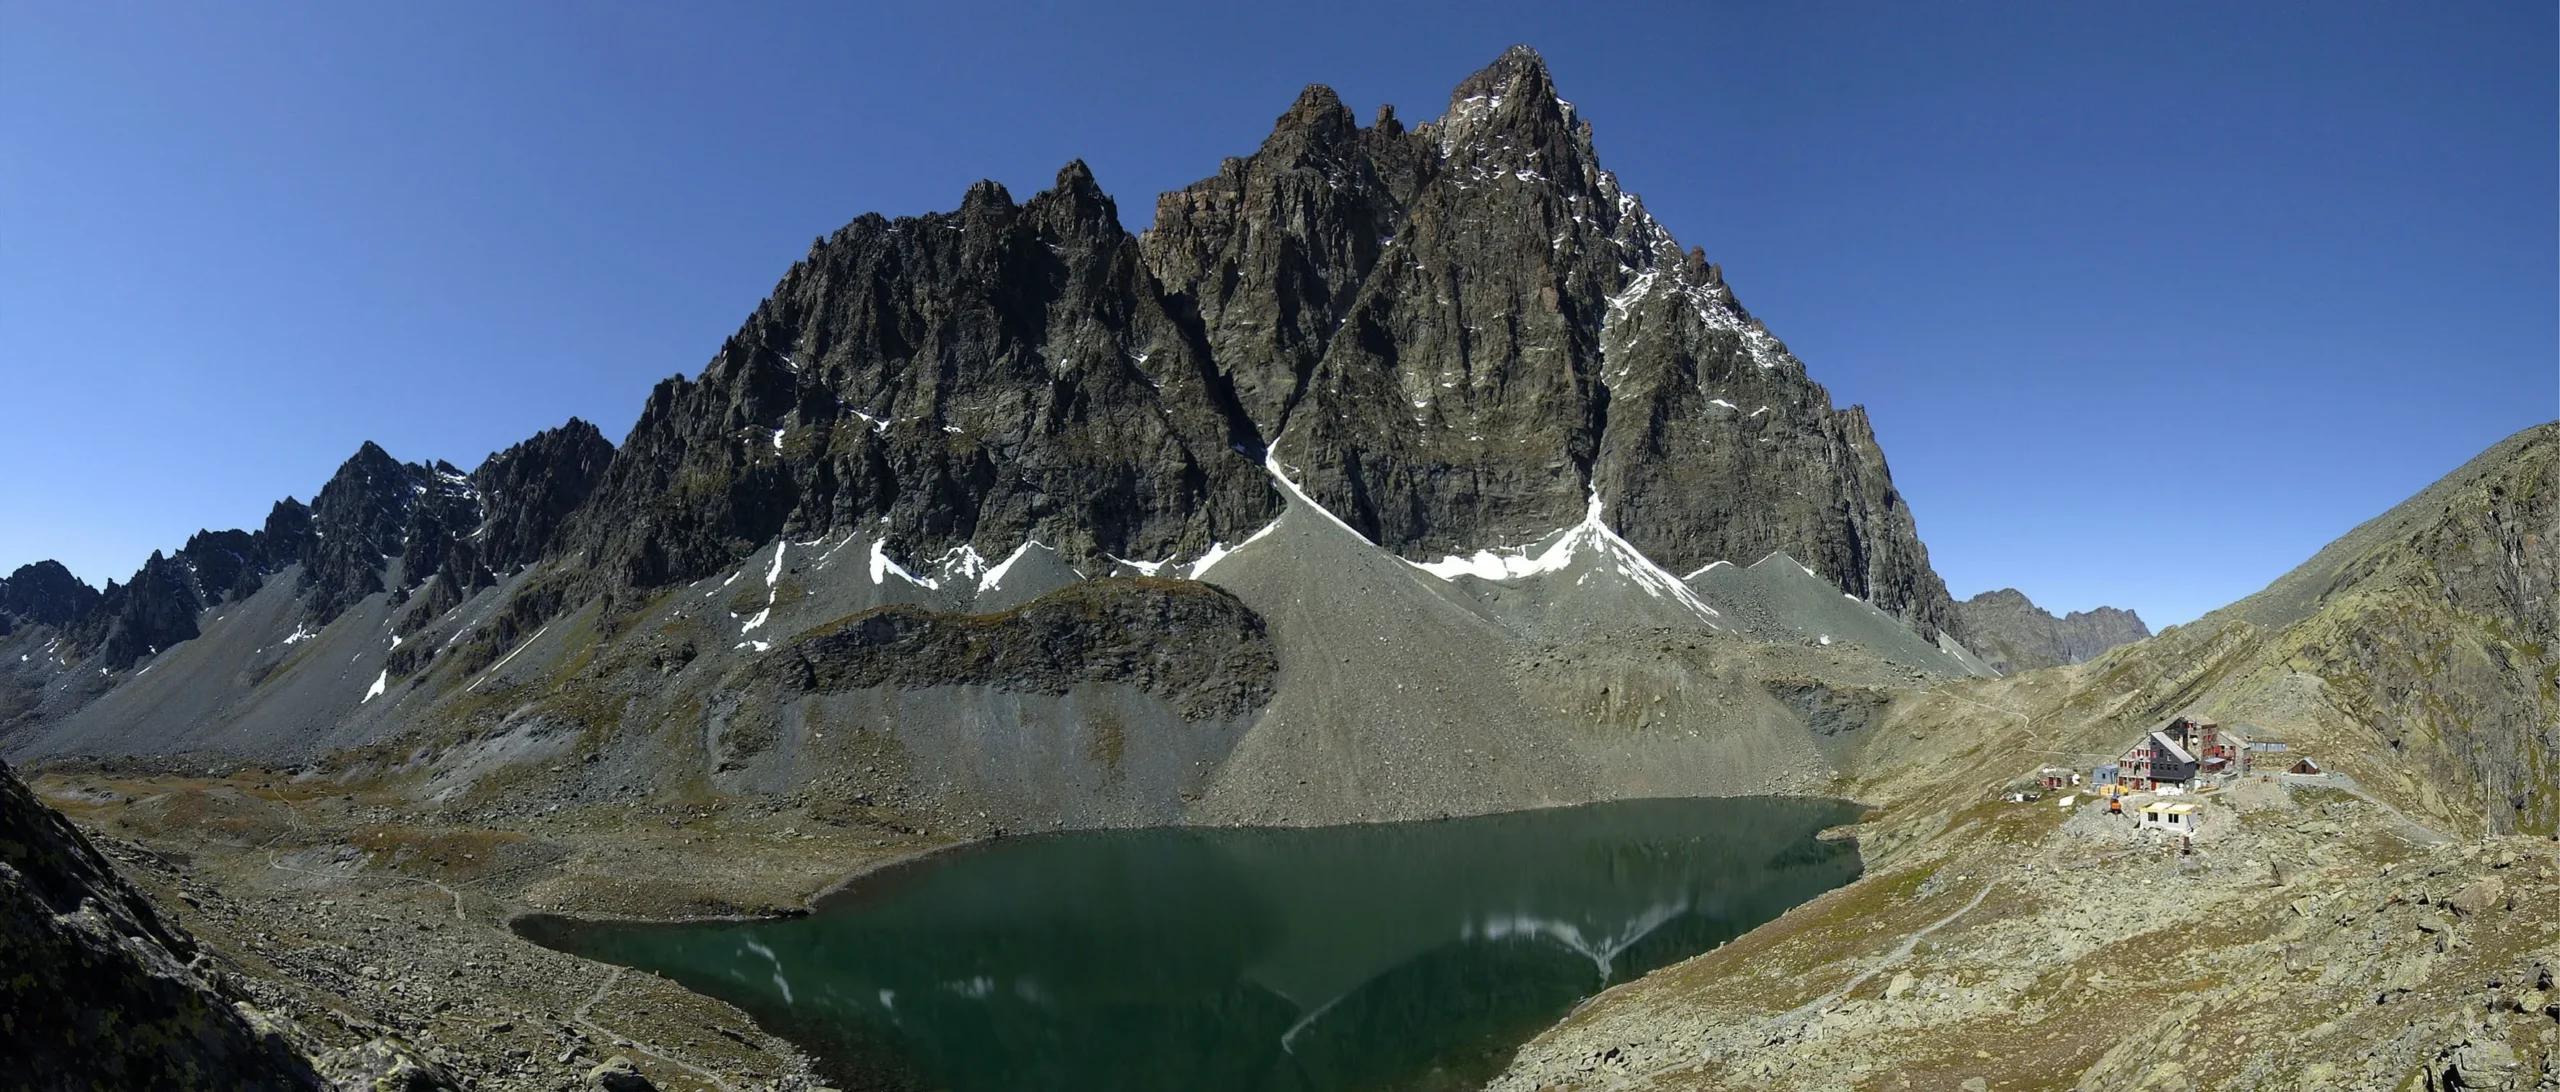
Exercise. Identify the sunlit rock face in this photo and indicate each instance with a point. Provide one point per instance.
(1455, 336)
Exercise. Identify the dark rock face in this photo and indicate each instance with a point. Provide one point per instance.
(498, 520)
(1195, 645)
(357, 523)
(1451, 336)
(1454, 336)
(1270, 254)
(158, 607)
(2012, 634)
(977, 378)
(45, 594)
(379, 524)
(443, 525)
(156, 610)
(528, 491)
(1835, 714)
(98, 991)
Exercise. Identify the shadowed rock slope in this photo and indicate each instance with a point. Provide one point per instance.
(2012, 634)
(1192, 644)
(98, 991)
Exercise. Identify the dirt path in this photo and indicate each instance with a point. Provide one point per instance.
(1778, 1025)
(2418, 832)
(1807, 1010)
(584, 1016)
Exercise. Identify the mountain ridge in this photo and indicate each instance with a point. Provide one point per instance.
(2013, 634)
(1017, 372)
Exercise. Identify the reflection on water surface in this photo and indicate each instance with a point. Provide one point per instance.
(1405, 955)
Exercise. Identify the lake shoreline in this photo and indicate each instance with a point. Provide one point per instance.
(1220, 956)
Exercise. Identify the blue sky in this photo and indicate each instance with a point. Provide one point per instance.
(2148, 301)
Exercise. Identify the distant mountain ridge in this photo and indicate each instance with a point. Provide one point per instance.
(2012, 634)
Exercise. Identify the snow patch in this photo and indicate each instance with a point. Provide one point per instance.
(882, 567)
(994, 577)
(1218, 551)
(733, 578)
(830, 555)
(960, 561)
(379, 683)
(494, 668)
(1592, 534)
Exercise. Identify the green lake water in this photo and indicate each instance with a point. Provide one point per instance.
(1387, 956)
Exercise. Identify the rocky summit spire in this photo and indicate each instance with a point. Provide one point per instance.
(45, 594)
(1456, 337)
(1510, 109)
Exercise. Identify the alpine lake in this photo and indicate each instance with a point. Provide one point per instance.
(1384, 956)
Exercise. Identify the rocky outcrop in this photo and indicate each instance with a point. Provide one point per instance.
(357, 524)
(1194, 645)
(1455, 336)
(138, 619)
(98, 990)
(377, 525)
(1270, 254)
(1451, 335)
(978, 378)
(528, 491)
(2012, 634)
(45, 594)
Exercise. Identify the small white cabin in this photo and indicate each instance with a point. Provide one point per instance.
(2169, 818)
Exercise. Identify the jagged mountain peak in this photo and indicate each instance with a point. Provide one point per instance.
(1074, 205)
(1463, 332)
(1316, 127)
(1519, 71)
(370, 458)
(45, 593)
(378, 525)
(983, 197)
(1511, 106)
(2013, 634)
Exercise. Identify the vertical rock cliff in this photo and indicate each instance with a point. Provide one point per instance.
(1456, 336)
